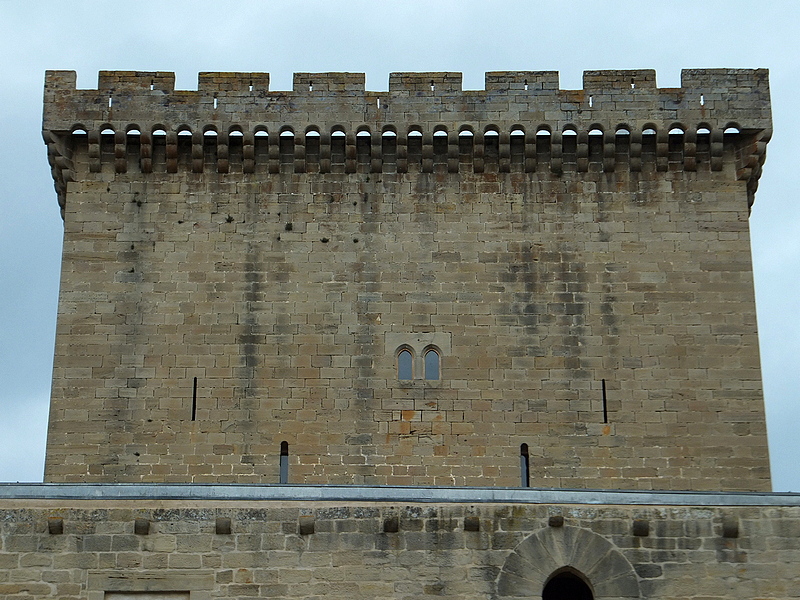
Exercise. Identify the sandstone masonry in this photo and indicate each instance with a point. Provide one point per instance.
(243, 269)
(148, 549)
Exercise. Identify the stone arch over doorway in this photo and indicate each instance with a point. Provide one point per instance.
(548, 552)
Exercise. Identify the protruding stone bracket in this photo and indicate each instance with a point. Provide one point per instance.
(751, 153)
(472, 523)
(55, 525)
(391, 524)
(555, 521)
(141, 526)
(59, 156)
(641, 527)
(730, 527)
(306, 524)
(222, 526)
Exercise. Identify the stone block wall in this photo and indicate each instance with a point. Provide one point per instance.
(583, 275)
(148, 549)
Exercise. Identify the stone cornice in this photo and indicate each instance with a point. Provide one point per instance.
(425, 122)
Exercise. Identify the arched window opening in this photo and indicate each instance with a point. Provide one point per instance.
(524, 466)
(210, 134)
(440, 143)
(262, 133)
(466, 140)
(364, 145)
(109, 131)
(338, 145)
(312, 133)
(623, 131)
(569, 132)
(79, 132)
(236, 133)
(731, 130)
(160, 133)
(432, 365)
(134, 132)
(649, 131)
(517, 140)
(542, 132)
(703, 131)
(491, 142)
(284, 463)
(287, 133)
(596, 132)
(567, 586)
(185, 133)
(676, 131)
(389, 142)
(415, 133)
(405, 368)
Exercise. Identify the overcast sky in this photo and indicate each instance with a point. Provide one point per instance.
(281, 37)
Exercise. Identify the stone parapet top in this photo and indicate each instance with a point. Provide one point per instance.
(147, 100)
(382, 494)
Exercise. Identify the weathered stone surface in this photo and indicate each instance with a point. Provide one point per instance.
(227, 295)
(291, 565)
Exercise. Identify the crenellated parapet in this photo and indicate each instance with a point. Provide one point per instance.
(522, 121)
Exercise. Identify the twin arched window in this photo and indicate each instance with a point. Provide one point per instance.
(431, 364)
(432, 361)
(405, 365)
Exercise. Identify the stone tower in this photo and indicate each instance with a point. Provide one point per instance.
(520, 285)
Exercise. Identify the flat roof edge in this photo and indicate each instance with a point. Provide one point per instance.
(383, 494)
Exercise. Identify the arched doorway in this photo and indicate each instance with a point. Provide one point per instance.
(566, 586)
(557, 556)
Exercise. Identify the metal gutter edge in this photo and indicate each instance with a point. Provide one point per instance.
(387, 494)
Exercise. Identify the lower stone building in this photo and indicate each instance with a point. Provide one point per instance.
(199, 542)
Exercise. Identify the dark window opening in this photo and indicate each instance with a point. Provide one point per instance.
(432, 365)
(566, 586)
(194, 399)
(284, 463)
(405, 371)
(524, 466)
